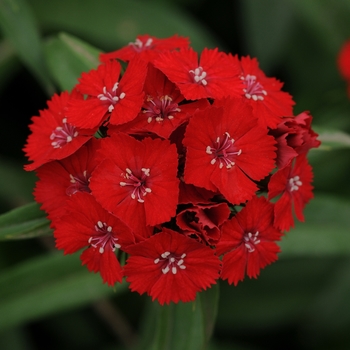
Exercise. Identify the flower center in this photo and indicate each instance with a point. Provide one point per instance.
(160, 108)
(103, 239)
(111, 97)
(139, 46)
(79, 183)
(171, 262)
(294, 183)
(137, 184)
(199, 76)
(63, 134)
(223, 151)
(251, 240)
(253, 90)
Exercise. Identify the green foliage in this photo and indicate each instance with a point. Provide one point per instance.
(300, 302)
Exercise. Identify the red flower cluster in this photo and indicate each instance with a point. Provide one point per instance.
(344, 63)
(170, 166)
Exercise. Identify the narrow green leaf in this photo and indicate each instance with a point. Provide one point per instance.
(333, 139)
(46, 285)
(324, 232)
(18, 25)
(187, 325)
(67, 57)
(118, 22)
(24, 222)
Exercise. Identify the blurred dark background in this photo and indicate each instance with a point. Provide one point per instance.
(300, 302)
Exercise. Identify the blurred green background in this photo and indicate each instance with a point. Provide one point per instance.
(48, 301)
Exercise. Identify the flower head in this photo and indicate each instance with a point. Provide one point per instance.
(171, 267)
(264, 94)
(214, 75)
(96, 230)
(54, 136)
(227, 150)
(248, 241)
(293, 184)
(137, 178)
(147, 47)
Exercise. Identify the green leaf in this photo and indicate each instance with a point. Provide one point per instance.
(24, 222)
(324, 232)
(19, 26)
(188, 325)
(67, 57)
(332, 139)
(118, 22)
(47, 285)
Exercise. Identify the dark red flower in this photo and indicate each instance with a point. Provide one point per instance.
(264, 94)
(203, 222)
(163, 109)
(53, 135)
(147, 47)
(227, 150)
(87, 224)
(171, 267)
(109, 98)
(343, 61)
(58, 180)
(293, 183)
(215, 75)
(136, 180)
(248, 241)
(294, 136)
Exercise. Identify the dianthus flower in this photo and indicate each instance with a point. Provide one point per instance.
(294, 136)
(72, 175)
(264, 94)
(203, 222)
(136, 180)
(343, 61)
(98, 231)
(215, 75)
(53, 135)
(109, 98)
(227, 150)
(171, 267)
(248, 241)
(146, 47)
(293, 183)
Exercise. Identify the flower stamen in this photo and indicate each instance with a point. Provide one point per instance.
(223, 151)
(254, 90)
(199, 76)
(251, 240)
(137, 183)
(104, 238)
(171, 262)
(63, 134)
(111, 97)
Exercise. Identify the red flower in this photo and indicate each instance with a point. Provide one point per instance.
(216, 75)
(53, 135)
(171, 267)
(203, 222)
(248, 241)
(136, 180)
(96, 229)
(58, 180)
(147, 47)
(293, 183)
(344, 63)
(227, 150)
(109, 98)
(264, 94)
(162, 110)
(294, 136)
